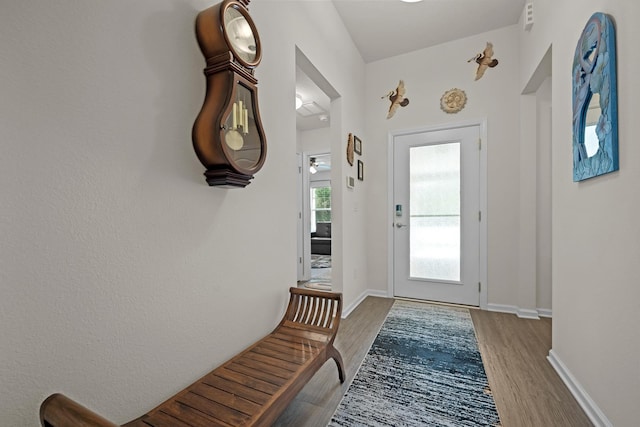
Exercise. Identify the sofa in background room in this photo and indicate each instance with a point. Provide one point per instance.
(321, 239)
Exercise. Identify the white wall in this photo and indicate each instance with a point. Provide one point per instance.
(596, 235)
(123, 276)
(122, 273)
(316, 141)
(324, 41)
(427, 74)
(543, 197)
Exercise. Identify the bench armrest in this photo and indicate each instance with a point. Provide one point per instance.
(60, 411)
(317, 309)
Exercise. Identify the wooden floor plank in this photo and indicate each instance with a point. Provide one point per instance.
(527, 390)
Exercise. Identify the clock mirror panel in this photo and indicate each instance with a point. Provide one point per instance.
(241, 133)
(240, 35)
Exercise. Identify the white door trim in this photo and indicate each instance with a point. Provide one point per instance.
(306, 211)
(482, 123)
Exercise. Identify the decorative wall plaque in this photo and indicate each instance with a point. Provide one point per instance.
(595, 100)
(453, 101)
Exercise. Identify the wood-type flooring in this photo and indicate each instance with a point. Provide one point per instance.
(526, 389)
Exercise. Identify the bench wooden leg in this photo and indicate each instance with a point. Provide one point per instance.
(337, 357)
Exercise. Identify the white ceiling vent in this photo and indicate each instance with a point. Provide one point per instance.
(310, 109)
(528, 16)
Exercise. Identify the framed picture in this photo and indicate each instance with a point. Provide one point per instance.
(360, 170)
(357, 145)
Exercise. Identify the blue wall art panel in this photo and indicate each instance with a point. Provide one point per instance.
(595, 100)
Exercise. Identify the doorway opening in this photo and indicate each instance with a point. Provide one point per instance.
(316, 127)
(320, 219)
(535, 263)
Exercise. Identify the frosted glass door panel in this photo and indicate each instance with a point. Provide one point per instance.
(434, 224)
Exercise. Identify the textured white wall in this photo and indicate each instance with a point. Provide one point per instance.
(323, 39)
(596, 235)
(123, 275)
(427, 74)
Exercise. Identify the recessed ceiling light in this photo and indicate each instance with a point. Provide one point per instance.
(410, 1)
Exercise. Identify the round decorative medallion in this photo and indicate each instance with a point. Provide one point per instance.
(453, 101)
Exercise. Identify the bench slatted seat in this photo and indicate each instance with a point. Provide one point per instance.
(251, 389)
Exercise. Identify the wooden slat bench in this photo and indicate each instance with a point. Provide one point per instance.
(251, 389)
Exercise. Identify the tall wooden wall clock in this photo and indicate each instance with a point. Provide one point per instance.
(228, 137)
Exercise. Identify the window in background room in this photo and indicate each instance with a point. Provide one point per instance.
(320, 205)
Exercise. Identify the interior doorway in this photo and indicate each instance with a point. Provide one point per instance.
(320, 218)
(316, 219)
(315, 130)
(535, 272)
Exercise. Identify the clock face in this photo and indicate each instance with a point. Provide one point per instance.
(240, 35)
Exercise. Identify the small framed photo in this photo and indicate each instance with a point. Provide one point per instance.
(357, 147)
(360, 170)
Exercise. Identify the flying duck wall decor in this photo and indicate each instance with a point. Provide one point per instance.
(397, 99)
(484, 60)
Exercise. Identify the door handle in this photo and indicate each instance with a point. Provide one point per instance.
(399, 225)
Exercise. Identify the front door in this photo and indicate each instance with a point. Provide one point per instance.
(437, 215)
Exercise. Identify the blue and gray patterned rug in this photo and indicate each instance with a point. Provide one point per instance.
(423, 369)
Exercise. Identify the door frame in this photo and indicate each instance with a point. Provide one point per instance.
(305, 211)
(482, 124)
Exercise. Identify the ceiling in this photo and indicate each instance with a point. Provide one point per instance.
(385, 28)
(314, 113)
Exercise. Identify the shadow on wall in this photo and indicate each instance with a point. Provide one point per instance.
(180, 78)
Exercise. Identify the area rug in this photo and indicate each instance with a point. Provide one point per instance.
(320, 261)
(423, 369)
(321, 275)
(318, 286)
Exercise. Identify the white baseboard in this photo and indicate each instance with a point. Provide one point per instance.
(597, 417)
(500, 308)
(524, 313)
(520, 312)
(369, 292)
(545, 312)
